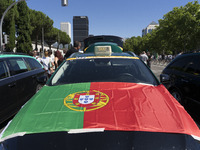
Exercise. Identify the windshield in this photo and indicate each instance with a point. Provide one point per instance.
(103, 70)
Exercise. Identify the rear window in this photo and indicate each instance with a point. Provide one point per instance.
(103, 70)
(34, 64)
(17, 65)
(188, 64)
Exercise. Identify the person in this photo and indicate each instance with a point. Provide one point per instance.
(58, 59)
(35, 54)
(47, 63)
(51, 56)
(144, 57)
(77, 46)
(149, 59)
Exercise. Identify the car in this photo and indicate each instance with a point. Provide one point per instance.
(21, 76)
(182, 78)
(103, 38)
(102, 100)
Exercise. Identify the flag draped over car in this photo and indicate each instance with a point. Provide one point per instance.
(108, 105)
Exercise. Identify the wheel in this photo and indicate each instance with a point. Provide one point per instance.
(39, 86)
(177, 95)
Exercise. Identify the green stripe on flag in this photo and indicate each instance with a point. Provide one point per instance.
(46, 112)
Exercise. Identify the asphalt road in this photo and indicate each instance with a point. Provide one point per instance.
(157, 69)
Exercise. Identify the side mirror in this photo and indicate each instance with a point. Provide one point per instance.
(164, 78)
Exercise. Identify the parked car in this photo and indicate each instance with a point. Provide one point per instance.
(182, 78)
(102, 100)
(21, 77)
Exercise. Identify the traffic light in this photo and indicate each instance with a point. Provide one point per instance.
(64, 2)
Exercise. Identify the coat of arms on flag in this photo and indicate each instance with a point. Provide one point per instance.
(86, 100)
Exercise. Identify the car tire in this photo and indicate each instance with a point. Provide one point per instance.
(39, 86)
(177, 95)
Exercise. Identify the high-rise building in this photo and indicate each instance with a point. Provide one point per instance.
(66, 27)
(149, 28)
(80, 28)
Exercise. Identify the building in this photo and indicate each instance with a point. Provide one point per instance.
(149, 28)
(66, 27)
(80, 28)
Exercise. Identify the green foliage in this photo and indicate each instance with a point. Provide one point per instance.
(64, 38)
(179, 30)
(24, 43)
(38, 21)
(51, 36)
(9, 22)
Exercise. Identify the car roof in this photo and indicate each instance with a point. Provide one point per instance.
(189, 54)
(103, 38)
(6, 55)
(114, 47)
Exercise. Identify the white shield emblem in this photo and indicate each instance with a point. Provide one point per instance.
(86, 99)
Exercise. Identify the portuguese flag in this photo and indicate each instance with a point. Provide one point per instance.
(108, 105)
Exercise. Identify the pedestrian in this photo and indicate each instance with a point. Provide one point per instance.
(35, 54)
(144, 57)
(51, 56)
(47, 63)
(58, 59)
(76, 48)
(149, 59)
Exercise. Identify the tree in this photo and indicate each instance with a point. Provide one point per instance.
(24, 43)
(38, 21)
(9, 22)
(180, 27)
(64, 38)
(51, 37)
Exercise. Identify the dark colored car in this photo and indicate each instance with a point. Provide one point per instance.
(21, 77)
(182, 78)
(102, 102)
(103, 38)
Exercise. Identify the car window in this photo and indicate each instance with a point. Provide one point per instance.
(103, 70)
(193, 65)
(179, 64)
(3, 70)
(34, 64)
(17, 65)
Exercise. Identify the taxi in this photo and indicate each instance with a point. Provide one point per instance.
(102, 100)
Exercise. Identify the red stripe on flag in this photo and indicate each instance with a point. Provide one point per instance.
(137, 107)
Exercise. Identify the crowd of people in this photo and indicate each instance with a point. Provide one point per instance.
(51, 61)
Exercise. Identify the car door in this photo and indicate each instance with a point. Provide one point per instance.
(176, 73)
(8, 92)
(192, 80)
(37, 72)
(22, 77)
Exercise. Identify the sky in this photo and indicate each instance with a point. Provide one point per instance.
(124, 18)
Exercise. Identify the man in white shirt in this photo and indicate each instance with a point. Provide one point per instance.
(144, 57)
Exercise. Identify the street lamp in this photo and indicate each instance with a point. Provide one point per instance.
(1, 23)
(64, 2)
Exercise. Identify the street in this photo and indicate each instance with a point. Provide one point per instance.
(157, 69)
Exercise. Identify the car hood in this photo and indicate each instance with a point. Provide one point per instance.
(100, 106)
